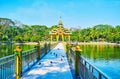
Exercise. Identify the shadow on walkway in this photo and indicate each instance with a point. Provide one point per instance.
(52, 66)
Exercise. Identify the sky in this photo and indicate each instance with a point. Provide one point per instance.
(74, 13)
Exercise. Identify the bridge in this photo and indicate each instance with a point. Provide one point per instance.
(51, 60)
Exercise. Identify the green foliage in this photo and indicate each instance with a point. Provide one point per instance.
(98, 33)
(11, 32)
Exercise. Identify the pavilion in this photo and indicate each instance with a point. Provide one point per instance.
(60, 33)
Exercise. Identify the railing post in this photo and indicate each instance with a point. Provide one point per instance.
(45, 47)
(49, 46)
(77, 53)
(69, 47)
(38, 51)
(100, 76)
(18, 66)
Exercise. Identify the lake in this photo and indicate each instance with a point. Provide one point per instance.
(104, 57)
(7, 49)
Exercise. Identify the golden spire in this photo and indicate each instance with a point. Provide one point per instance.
(60, 22)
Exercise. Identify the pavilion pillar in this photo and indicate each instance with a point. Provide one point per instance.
(69, 37)
(62, 37)
(57, 37)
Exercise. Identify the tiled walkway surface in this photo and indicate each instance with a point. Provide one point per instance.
(53, 66)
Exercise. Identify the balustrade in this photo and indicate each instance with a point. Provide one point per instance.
(8, 67)
(82, 67)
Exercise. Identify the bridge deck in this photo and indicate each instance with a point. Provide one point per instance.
(53, 66)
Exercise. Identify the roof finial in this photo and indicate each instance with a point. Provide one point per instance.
(60, 17)
(60, 21)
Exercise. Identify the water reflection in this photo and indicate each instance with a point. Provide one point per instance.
(7, 49)
(105, 57)
(98, 52)
(4, 49)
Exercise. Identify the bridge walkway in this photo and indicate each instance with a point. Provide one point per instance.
(52, 66)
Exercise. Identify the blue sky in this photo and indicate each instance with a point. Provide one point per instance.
(74, 13)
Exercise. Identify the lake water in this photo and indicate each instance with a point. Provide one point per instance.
(7, 71)
(7, 49)
(104, 57)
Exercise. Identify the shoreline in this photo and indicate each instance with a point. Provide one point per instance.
(98, 43)
(80, 43)
(95, 43)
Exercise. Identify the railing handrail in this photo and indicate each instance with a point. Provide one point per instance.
(99, 71)
(28, 50)
(14, 54)
(7, 57)
(6, 62)
(28, 57)
(103, 74)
